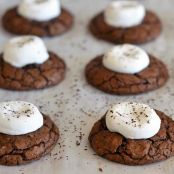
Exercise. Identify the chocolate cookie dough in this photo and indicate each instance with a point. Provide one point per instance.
(153, 77)
(14, 23)
(148, 30)
(35, 76)
(117, 148)
(22, 149)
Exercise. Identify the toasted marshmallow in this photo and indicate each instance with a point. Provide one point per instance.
(25, 50)
(133, 120)
(126, 58)
(39, 10)
(18, 118)
(124, 13)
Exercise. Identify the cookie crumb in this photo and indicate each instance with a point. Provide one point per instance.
(100, 169)
(77, 143)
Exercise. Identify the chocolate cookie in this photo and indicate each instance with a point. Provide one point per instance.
(154, 76)
(35, 76)
(17, 150)
(117, 148)
(148, 30)
(14, 23)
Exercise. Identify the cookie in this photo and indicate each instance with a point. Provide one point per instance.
(22, 149)
(153, 77)
(116, 148)
(148, 30)
(34, 76)
(16, 24)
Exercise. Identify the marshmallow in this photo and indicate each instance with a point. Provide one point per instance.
(124, 13)
(39, 10)
(18, 118)
(133, 120)
(126, 59)
(25, 50)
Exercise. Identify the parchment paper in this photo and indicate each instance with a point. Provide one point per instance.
(75, 106)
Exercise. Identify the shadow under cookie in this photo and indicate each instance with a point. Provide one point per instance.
(22, 149)
(153, 77)
(148, 30)
(35, 76)
(116, 148)
(14, 23)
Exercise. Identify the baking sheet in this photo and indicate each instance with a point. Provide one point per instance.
(75, 106)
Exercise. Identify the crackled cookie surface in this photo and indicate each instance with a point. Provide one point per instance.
(113, 146)
(21, 149)
(17, 24)
(149, 29)
(152, 77)
(34, 76)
